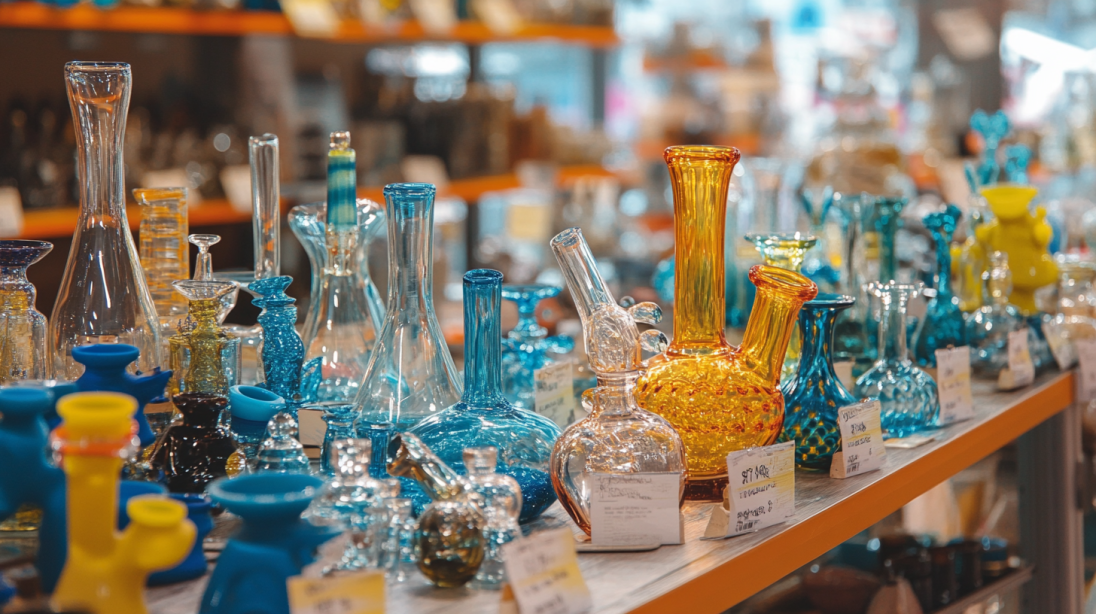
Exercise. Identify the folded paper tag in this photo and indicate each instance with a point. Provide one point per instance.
(1060, 345)
(544, 575)
(1020, 371)
(1086, 361)
(861, 440)
(310, 426)
(353, 593)
(760, 491)
(554, 397)
(953, 383)
(635, 509)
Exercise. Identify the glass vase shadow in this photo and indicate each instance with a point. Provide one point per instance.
(204, 358)
(815, 394)
(484, 417)
(103, 296)
(164, 251)
(942, 325)
(410, 375)
(23, 329)
(526, 348)
(907, 395)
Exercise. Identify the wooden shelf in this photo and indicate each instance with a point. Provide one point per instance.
(34, 15)
(710, 576)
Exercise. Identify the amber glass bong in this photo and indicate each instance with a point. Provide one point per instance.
(718, 397)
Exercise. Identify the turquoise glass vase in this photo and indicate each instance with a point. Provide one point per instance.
(813, 396)
(484, 417)
(285, 371)
(942, 326)
(526, 348)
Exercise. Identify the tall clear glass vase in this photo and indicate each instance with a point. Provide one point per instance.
(103, 296)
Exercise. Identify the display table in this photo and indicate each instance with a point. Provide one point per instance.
(711, 576)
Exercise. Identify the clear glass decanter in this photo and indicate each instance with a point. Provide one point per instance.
(617, 436)
(23, 329)
(526, 348)
(203, 271)
(103, 296)
(906, 394)
(988, 327)
(410, 375)
(165, 254)
(787, 251)
(484, 417)
(342, 334)
(501, 496)
(204, 358)
(281, 452)
(942, 325)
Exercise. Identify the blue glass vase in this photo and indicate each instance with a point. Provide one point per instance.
(484, 417)
(286, 373)
(942, 326)
(907, 395)
(813, 396)
(105, 370)
(251, 409)
(852, 341)
(526, 348)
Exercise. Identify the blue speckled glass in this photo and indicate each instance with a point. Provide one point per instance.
(943, 326)
(526, 348)
(813, 396)
(484, 417)
(284, 369)
(907, 395)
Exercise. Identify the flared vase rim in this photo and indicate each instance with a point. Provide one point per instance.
(713, 153)
(830, 301)
(266, 138)
(106, 354)
(410, 189)
(196, 289)
(23, 252)
(570, 237)
(483, 277)
(788, 283)
(83, 66)
(270, 489)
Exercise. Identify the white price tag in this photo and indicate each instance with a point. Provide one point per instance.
(862, 447)
(1060, 346)
(760, 491)
(555, 396)
(1086, 378)
(354, 593)
(635, 509)
(310, 426)
(953, 383)
(544, 574)
(1021, 371)
(11, 212)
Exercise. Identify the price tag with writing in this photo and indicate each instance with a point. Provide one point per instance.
(1086, 361)
(760, 491)
(953, 383)
(544, 574)
(862, 447)
(355, 593)
(635, 509)
(1021, 371)
(554, 397)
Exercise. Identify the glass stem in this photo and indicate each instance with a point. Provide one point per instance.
(266, 204)
(892, 328)
(482, 338)
(410, 253)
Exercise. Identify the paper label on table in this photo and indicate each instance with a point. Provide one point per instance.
(761, 487)
(909, 443)
(953, 383)
(862, 447)
(315, 18)
(1060, 346)
(635, 508)
(966, 33)
(843, 370)
(1019, 358)
(555, 397)
(544, 574)
(1086, 378)
(310, 427)
(11, 212)
(355, 593)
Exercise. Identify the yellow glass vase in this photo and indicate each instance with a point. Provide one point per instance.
(1024, 235)
(718, 397)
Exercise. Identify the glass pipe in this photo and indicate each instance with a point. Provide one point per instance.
(339, 418)
(907, 395)
(786, 251)
(203, 271)
(411, 374)
(106, 570)
(342, 334)
(194, 452)
(23, 328)
(501, 506)
(526, 348)
(718, 398)
(449, 541)
(281, 452)
(103, 297)
(1024, 236)
(988, 327)
(815, 394)
(942, 325)
(106, 369)
(165, 254)
(285, 371)
(204, 358)
(616, 436)
(251, 408)
(483, 416)
(816, 263)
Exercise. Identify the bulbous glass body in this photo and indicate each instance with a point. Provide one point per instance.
(23, 354)
(281, 452)
(942, 326)
(526, 348)
(195, 452)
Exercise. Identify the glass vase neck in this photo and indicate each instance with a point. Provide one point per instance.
(780, 294)
(942, 226)
(99, 96)
(482, 338)
(410, 249)
(817, 319)
(700, 177)
(580, 271)
(888, 219)
(894, 298)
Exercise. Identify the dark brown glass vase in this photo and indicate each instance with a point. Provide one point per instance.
(195, 452)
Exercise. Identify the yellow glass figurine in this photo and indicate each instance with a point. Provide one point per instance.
(718, 397)
(105, 571)
(1024, 236)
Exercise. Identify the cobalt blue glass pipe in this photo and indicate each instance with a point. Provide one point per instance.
(942, 326)
(273, 544)
(105, 371)
(56, 387)
(198, 510)
(526, 348)
(286, 373)
(484, 417)
(28, 477)
(251, 409)
(813, 396)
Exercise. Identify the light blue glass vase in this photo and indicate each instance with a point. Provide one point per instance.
(484, 417)
(942, 326)
(251, 408)
(526, 348)
(813, 396)
(907, 395)
(286, 374)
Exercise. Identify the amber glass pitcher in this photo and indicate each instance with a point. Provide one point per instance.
(718, 397)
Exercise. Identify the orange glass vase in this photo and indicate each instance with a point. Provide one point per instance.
(718, 397)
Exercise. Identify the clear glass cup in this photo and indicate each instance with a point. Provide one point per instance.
(165, 253)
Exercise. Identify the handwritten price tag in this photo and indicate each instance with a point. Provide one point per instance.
(554, 397)
(544, 574)
(760, 492)
(635, 509)
(355, 593)
(1021, 371)
(862, 447)
(953, 382)
(1060, 346)
(1086, 379)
